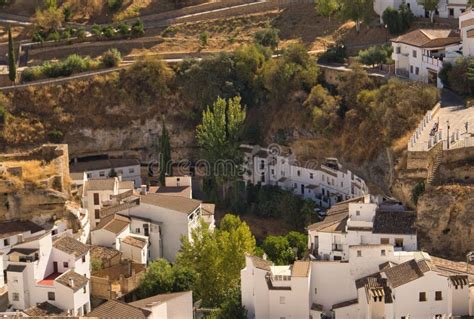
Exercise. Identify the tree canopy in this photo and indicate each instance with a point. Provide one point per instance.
(11, 57)
(357, 10)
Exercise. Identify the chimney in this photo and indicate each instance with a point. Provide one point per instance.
(71, 282)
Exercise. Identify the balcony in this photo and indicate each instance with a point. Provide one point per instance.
(336, 247)
(433, 61)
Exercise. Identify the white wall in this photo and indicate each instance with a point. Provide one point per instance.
(137, 254)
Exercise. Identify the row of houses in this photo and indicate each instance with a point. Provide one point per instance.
(325, 182)
(364, 263)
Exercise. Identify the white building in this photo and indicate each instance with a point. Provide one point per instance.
(102, 193)
(325, 183)
(375, 282)
(127, 169)
(57, 271)
(365, 220)
(178, 305)
(446, 8)
(419, 54)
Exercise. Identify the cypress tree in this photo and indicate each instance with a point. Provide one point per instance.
(165, 158)
(11, 57)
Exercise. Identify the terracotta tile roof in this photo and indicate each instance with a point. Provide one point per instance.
(78, 281)
(142, 303)
(181, 191)
(260, 263)
(429, 38)
(103, 253)
(102, 164)
(44, 309)
(300, 268)
(11, 228)
(70, 246)
(336, 218)
(345, 304)
(113, 223)
(176, 203)
(394, 223)
(407, 272)
(100, 184)
(108, 211)
(386, 265)
(208, 208)
(449, 267)
(118, 309)
(134, 241)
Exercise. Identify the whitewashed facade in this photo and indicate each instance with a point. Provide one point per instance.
(376, 282)
(365, 220)
(46, 269)
(446, 8)
(325, 183)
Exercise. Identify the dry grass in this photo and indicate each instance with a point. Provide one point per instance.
(33, 171)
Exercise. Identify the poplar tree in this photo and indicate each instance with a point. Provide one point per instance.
(165, 158)
(11, 57)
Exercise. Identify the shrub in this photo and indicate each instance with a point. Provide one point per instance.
(67, 12)
(3, 115)
(375, 55)
(417, 191)
(108, 31)
(54, 36)
(38, 36)
(170, 31)
(267, 37)
(114, 5)
(81, 33)
(123, 29)
(203, 38)
(111, 58)
(74, 64)
(456, 76)
(31, 74)
(55, 136)
(96, 30)
(138, 29)
(335, 54)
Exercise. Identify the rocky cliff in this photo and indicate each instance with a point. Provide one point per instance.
(445, 224)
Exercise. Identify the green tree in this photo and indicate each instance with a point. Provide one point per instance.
(356, 10)
(111, 58)
(138, 28)
(324, 108)
(327, 8)
(219, 138)
(298, 241)
(11, 57)
(217, 258)
(391, 18)
(158, 279)
(278, 250)
(267, 37)
(165, 156)
(374, 55)
(431, 6)
(232, 307)
(203, 38)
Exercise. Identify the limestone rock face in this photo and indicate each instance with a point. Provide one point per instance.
(445, 221)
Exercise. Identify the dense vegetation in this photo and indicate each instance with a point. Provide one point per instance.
(459, 76)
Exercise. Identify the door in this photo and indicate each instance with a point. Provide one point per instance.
(55, 266)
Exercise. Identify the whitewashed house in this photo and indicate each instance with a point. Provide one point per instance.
(365, 220)
(419, 54)
(375, 282)
(101, 193)
(57, 271)
(325, 183)
(126, 169)
(135, 248)
(446, 8)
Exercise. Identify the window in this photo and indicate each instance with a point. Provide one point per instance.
(282, 300)
(96, 199)
(137, 230)
(357, 212)
(342, 184)
(65, 264)
(411, 68)
(51, 296)
(438, 295)
(102, 173)
(6, 242)
(324, 178)
(382, 252)
(315, 290)
(84, 258)
(359, 253)
(16, 296)
(298, 173)
(262, 178)
(398, 242)
(131, 170)
(273, 171)
(422, 296)
(84, 290)
(397, 50)
(451, 12)
(89, 175)
(384, 241)
(414, 53)
(311, 175)
(97, 213)
(417, 70)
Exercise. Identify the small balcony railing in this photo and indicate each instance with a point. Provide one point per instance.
(438, 62)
